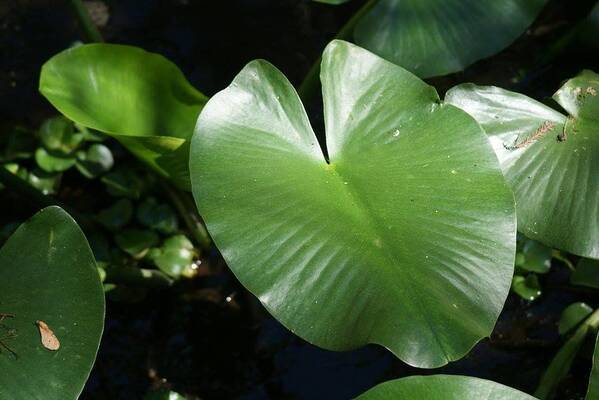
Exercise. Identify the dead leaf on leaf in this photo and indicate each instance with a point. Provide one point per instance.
(49, 340)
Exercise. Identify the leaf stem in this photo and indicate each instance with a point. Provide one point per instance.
(310, 84)
(89, 28)
(558, 256)
(187, 210)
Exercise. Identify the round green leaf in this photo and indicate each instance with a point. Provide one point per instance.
(527, 287)
(117, 215)
(550, 160)
(136, 242)
(45, 182)
(437, 37)
(95, 161)
(405, 237)
(140, 98)
(123, 182)
(175, 257)
(573, 315)
(443, 387)
(158, 216)
(48, 273)
(58, 134)
(53, 163)
(536, 257)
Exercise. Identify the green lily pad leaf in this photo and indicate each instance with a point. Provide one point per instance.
(548, 158)
(443, 387)
(527, 287)
(140, 98)
(404, 237)
(58, 134)
(117, 215)
(52, 163)
(535, 257)
(48, 273)
(586, 274)
(175, 257)
(123, 183)
(573, 315)
(437, 37)
(136, 242)
(593, 389)
(45, 182)
(95, 161)
(158, 216)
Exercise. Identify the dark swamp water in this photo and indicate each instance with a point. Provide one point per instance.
(190, 337)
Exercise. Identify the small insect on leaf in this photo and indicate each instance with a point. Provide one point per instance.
(49, 340)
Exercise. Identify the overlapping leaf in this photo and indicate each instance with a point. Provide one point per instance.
(550, 160)
(443, 387)
(140, 98)
(437, 37)
(404, 237)
(48, 273)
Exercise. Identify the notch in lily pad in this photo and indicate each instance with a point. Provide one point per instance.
(403, 240)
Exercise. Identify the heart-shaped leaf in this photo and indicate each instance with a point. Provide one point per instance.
(437, 37)
(405, 237)
(48, 273)
(443, 387)
(140, 98)
(549, 159)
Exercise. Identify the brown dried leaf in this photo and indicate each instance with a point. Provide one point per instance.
(49, 340)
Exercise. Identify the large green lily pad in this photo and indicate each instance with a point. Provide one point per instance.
(404, 237)
(550, 160)
(437, 37)
(443, 387)
(48, 273)
(140, 98)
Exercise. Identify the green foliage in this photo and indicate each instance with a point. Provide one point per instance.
(573, 315)
(140, 98)
(48, 273)
(437, 37)
(136, 242)
(401, 238)
(527, 287)
(586, 274)
(175, 256)
(443, 387)
(547, 157)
